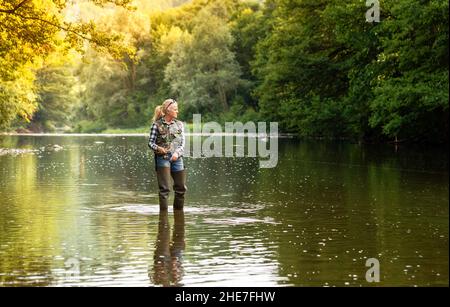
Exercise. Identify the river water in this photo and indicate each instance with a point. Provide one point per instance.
(87, 214)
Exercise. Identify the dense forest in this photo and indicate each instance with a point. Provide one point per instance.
(315, 66)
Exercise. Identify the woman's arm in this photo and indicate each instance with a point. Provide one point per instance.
(179, 151)
(153, 137)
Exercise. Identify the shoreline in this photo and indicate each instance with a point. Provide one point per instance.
(258, 135)
(262, 136)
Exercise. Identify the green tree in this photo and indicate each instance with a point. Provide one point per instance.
(203, 71)
(247, 28)
(29, 32)
(122, 92)
(56, 97)
(411, 88)
(17, 96)
(298, 64)
(321, 71)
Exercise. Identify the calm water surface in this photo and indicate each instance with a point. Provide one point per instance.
(88, 215)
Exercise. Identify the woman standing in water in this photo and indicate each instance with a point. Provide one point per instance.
(167, 141)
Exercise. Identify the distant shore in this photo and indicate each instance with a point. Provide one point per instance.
(281, 135)
(141, 132)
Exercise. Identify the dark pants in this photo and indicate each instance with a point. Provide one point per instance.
(179, 186)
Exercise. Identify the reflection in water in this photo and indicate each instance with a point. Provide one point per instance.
(168, 259)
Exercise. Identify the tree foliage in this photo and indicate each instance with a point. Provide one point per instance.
(203, 70)
(315, 66)
(30, 30)
(325, 72)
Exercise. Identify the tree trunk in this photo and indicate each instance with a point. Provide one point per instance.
(223, 98)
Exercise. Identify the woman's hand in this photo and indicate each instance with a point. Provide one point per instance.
(175, 157)
(162, 151)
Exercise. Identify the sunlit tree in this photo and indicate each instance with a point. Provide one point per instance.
(29, 32)
(203, 70)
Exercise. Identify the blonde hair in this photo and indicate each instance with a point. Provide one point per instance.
(161, 110)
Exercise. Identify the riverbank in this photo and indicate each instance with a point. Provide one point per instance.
(144, 131)
(117, 134)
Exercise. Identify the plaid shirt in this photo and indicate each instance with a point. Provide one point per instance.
(154, 136)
